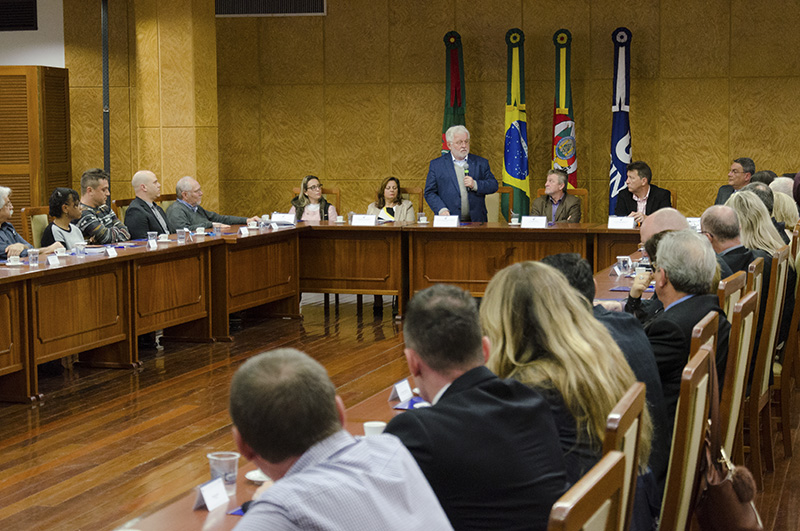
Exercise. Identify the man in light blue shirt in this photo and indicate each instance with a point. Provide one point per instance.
(288, 421)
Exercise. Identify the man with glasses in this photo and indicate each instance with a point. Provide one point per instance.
(459, 181)
(186, 212)
(742, 170)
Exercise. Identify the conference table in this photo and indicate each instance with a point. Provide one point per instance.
(96, 306)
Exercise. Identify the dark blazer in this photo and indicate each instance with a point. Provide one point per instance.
(670, 335)
(631, 339)
(490, 450)
(441, 186)
(724, 192)
(657, 199)
(569, 210)
(140, 220)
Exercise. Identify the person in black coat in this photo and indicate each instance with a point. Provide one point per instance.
(639, 187)
(742, 170)
(143, 215)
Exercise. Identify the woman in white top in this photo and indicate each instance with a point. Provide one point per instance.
(310, 205)
(390, 206)
(65, 207)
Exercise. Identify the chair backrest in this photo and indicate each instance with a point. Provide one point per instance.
(740, 348)
(332, 196)
(772, 319)
(705, 332)
(687, 442)
(165, 200)
(506, 192)
(673, 199)
(412, 194)
(120, 206)
(34, 221)
(623, 433)
(730, 290)
(583, 193)
(595, 501)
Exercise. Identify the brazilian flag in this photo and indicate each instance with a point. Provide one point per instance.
(515, 155)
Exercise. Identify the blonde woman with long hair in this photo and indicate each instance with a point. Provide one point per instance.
(757, 230)
(543, 334)
(785, 211)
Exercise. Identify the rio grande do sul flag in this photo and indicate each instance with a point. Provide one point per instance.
(454, 98)
(620, 108)
(515, 153)
(565, 156)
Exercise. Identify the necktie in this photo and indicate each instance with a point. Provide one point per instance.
(160, 218)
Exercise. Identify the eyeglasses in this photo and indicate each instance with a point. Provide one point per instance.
(461, 143)
(315, 187)
(737, 171)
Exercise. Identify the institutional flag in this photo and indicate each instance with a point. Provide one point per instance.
(454, 100)
(565, 156)
(515, 155)
(620, 108)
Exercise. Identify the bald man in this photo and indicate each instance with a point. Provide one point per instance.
(143, 214)
(186, 212)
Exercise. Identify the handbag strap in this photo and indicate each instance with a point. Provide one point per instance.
(714, 428)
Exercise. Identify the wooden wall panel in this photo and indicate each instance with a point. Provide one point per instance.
(707, 54)
(237, 64)
(10, 359)
(284, 40)
(416, 28)
(356, 42)
(540, 20)
(483, 27)
(753, 54)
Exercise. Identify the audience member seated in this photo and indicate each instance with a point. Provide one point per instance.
(98, 222)
(288, 420)
(641, 198)
(186, 212)
(489, 447)
(684, 270)
(764, 176)
(143, 214)
(629, 336)
(542, 333)
(557, 205)
(784, 211)
(764, 193)
(65, 207)
(740, 174)
(389, 206)
(11, 243)
(783, 185)
(310, 205)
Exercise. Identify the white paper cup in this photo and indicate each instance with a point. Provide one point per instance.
(374, 427)
(13, 260)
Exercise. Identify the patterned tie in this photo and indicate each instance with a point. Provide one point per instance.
(160, 218)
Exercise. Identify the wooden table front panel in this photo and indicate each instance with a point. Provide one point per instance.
(609, 245)
(351, 261)
(78, 310)
(262, 273)
(11, 352)
(469, 258)
(171, 290)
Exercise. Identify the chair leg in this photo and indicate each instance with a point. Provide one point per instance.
(326, 299)
(766, 434)
(785, 397)
(755, 444)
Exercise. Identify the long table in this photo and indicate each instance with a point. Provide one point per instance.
(96, 306)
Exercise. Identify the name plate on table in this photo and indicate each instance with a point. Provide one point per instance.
(244, 231)
(621, 222)
(110, 251)
(364, 220)
(52, 260)
(277, 217)
(401, 391)
(211, 495)
(694, 223)
(445, 221)
(534, 222)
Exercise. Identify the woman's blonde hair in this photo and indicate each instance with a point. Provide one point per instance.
(755, 224)
(543, 334)
(302, 199)
(785, 211)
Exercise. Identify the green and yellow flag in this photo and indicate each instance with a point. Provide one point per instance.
(515, 155)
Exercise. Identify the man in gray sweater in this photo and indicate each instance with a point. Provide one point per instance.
(186, 212)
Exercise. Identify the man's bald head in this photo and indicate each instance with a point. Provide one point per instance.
(720, 224)
(661, 220)
(145, 185)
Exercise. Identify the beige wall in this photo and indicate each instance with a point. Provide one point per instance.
(358, 94)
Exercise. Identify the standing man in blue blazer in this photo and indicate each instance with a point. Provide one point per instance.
(457, 181)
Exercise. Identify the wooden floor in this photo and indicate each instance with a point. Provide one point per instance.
(107, 446)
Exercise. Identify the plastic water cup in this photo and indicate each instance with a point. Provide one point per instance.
(181, 235)
(152, 236)
(80, 250)
(225, 465)
(217, 229)
(33, 257)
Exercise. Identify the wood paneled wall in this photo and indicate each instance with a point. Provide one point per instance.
(358, 94)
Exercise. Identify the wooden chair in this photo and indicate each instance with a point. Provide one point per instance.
(673, 199)
(165, 200)
(506, 192)
(740, 348)
(731, 290)
(595, 501)
(34, 221)
(332, 196)
(120, 206)
(687, 442)
(583, 193)
(414, 195)
(757, 410)
(705, 332)
(623, 433)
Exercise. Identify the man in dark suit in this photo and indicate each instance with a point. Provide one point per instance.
(143, 215)
(458, 182)
(685, 268)
(742, 170)
(556, 204)
(488, 447)
(641, 198)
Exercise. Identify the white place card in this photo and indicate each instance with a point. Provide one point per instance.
(273, 226)
(152, 244)
(110, 251)
(694, 223)
(211, 495)
(534, 222)
(244, 231)
(52, 260)
(401, 391)
(621, 222)
(283, 218)
(445, 221)
(364, 220)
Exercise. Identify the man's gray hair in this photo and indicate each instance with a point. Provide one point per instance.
(689, 261)
(183, 185)
(451, 132)
(782, 185)
(721, 222)
(563, 178)
(5, 191)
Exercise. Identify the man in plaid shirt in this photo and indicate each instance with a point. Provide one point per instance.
(98, 222)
